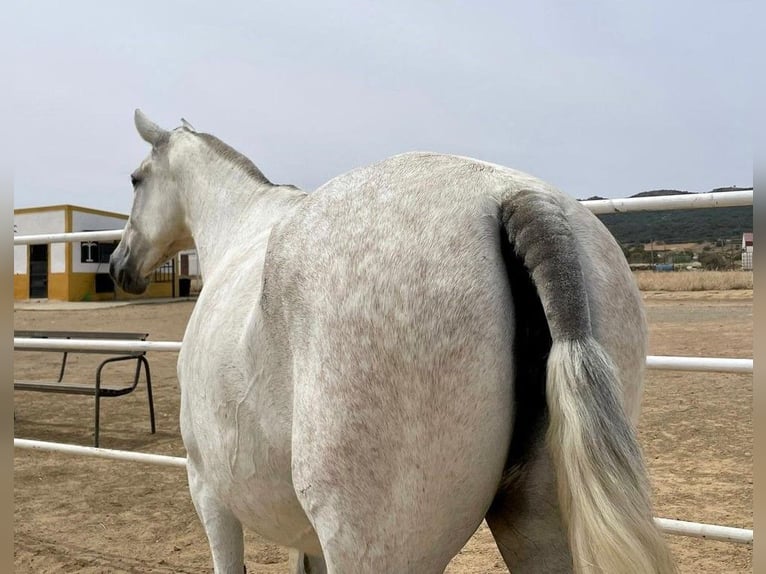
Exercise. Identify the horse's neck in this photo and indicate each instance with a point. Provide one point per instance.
(224, 214)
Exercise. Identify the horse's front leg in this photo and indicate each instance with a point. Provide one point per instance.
(223, 529)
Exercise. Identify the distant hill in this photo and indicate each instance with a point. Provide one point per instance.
(679, 226)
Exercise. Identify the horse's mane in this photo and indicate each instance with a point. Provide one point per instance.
(229, 154)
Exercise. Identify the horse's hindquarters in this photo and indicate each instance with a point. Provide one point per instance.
(401, 427)
(399, 327)
(396, 480)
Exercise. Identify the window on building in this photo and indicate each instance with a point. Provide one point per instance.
(165, 272)
(105, 251)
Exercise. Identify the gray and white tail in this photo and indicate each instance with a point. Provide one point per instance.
(603, 485)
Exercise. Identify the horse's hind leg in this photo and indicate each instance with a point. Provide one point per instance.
(526, 522)
(301, 563)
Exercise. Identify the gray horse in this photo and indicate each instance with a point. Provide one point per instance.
(374, 368)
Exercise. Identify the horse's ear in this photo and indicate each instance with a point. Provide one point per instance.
(187, 125)
(148, 130)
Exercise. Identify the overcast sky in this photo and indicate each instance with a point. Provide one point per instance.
(599, 98)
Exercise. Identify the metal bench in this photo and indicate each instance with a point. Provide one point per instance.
(100, 388)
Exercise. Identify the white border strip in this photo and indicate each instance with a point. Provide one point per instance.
(676, 527)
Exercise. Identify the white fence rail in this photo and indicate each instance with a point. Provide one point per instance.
(704, 364)
(708, 531)
(677, 527)
(159, 459)
(598, 206)
(707, 364)
(109, 235)
(666, 202)
(54, 344)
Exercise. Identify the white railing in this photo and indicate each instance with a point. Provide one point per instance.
(709, 531)
(597, 206)
(707, 364)
(666, 202)
(677, 527)
(53, 344)
(704, 364)
(109, 235)
(159, 459)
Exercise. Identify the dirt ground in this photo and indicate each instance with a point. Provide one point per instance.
(79, 514)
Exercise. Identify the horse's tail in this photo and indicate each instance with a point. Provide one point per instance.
(603, 485)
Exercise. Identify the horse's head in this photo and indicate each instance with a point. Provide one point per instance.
(157, 228)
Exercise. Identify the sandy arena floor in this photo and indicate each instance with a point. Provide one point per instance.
(77, 514)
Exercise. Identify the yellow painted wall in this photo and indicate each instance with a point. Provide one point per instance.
(58, 286)
(82, 287)
(20, 286)
(154, 290)
(159, 290)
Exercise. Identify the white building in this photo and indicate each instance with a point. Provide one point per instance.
(79, 271)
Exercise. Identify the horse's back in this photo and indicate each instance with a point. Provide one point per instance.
(429, 221)
(396, 266)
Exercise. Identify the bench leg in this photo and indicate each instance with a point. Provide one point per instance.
(98, 404)
(63, 367)
(141, 361)
(98, 400)
(149, 392)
